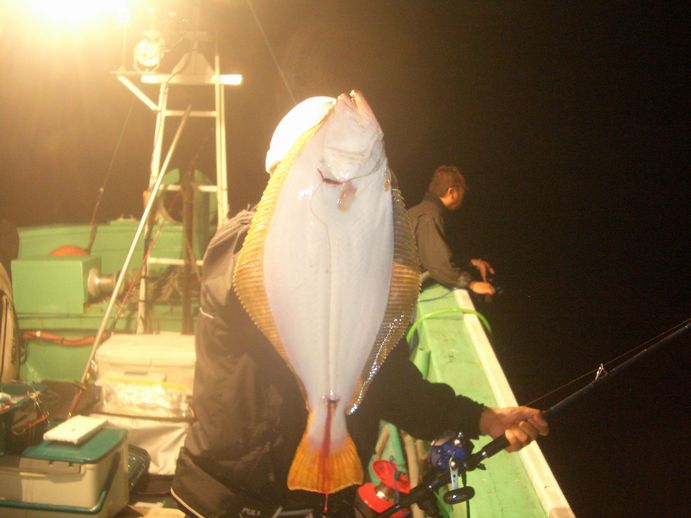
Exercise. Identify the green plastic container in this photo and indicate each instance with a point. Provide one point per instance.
(58, 480)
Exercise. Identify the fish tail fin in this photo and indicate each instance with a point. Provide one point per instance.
(311, 470)
(327, 468)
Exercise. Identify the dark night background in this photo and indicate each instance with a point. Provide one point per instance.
(570, 121)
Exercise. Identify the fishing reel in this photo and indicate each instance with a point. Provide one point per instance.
(449, 455)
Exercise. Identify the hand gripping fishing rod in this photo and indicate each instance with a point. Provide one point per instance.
(424, 491)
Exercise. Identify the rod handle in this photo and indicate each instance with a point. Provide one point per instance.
(494, 447)
(491, 448)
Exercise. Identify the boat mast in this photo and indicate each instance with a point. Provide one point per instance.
(192, 72)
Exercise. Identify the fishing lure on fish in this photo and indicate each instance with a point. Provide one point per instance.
(329, 274)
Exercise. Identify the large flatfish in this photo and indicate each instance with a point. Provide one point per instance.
(329, 273)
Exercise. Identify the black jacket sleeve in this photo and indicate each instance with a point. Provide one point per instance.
(423, 409)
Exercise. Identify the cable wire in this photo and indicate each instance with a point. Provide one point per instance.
(101, 190)
(271, 52)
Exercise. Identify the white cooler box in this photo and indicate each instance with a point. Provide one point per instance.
(56, 480)
(161, 438)
(146, 375)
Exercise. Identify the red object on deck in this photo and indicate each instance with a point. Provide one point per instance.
(382, 496)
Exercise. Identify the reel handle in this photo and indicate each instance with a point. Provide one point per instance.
(461, 494)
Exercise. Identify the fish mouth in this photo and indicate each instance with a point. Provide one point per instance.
(353, 142)
(356, 102)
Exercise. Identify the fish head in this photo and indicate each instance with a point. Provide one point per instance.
(353, 140)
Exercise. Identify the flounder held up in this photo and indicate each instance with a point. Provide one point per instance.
(329, 274)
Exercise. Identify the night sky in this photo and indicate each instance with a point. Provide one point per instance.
(569, 120)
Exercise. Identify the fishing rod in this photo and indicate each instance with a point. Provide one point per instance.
(425, 491)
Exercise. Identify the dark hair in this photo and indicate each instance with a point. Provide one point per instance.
(446, 176)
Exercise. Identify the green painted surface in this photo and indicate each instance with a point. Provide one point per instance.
(51, 296)
(114, 240)
(164, 317)
(48, 361)
(52, 284)
(446, 354)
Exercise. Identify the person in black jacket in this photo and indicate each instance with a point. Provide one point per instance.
(445, 194)
(250, 414)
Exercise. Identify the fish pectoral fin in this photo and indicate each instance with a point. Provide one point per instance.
(325, 472)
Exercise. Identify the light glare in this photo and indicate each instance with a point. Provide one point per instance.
(224, 79)
(230, 79)
(76, 12)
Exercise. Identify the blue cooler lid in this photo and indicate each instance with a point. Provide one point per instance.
(89, 452)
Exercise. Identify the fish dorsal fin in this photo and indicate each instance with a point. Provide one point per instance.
(248, 279)
(403, 292)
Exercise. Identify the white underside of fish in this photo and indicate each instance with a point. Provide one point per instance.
(328, 285)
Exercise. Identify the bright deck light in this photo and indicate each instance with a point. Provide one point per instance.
(148, 52)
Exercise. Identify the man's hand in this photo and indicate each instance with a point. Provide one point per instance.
(521, 425)
(482, 288)
(483, 267)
